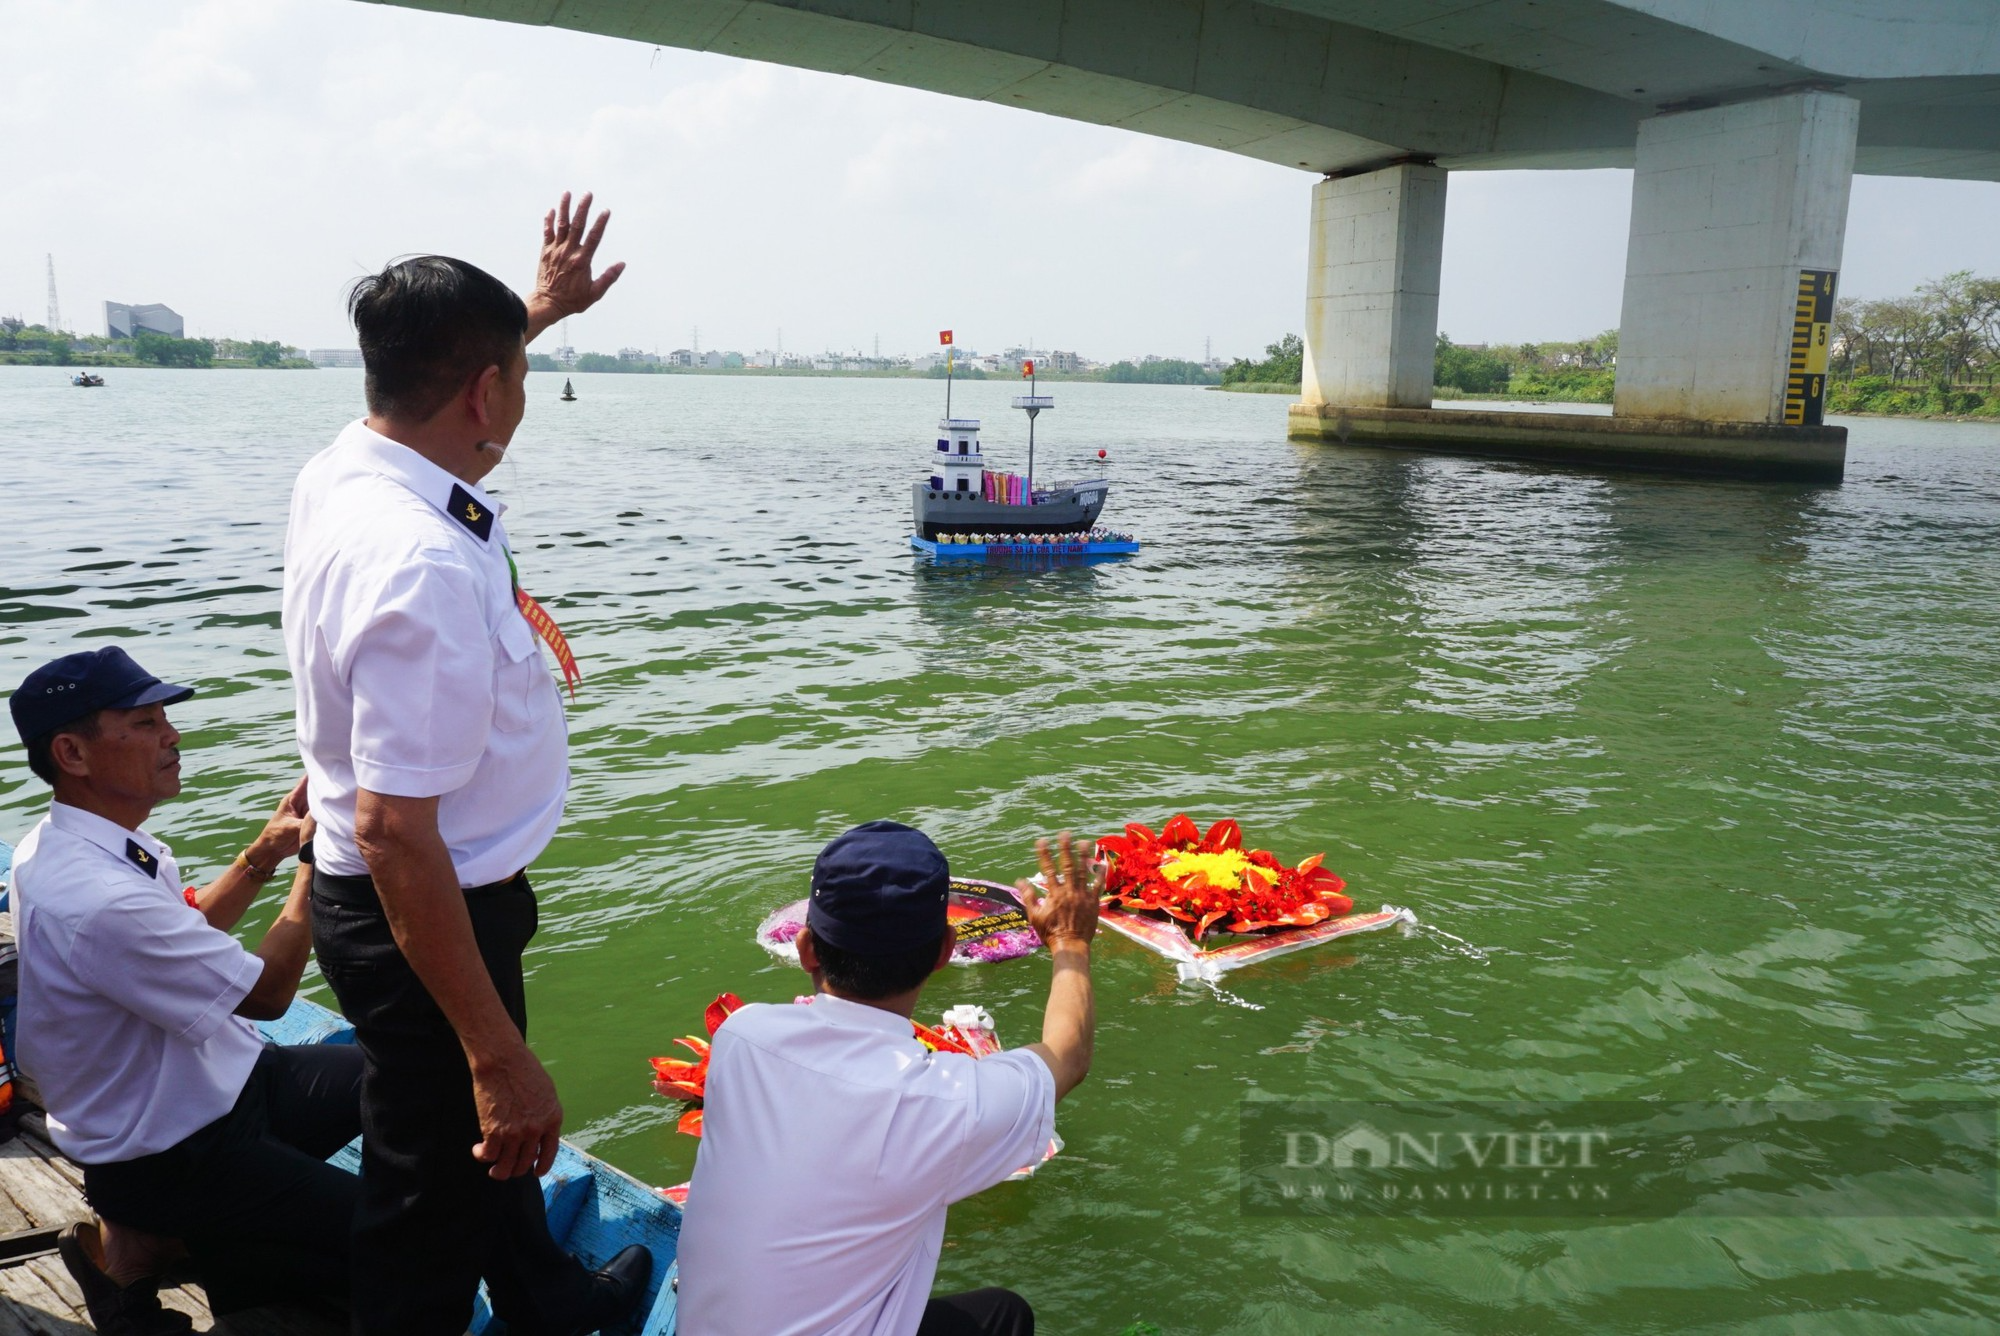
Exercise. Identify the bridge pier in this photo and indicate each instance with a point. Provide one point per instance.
(1376, 250)
(1730, 206)
(1738, 217)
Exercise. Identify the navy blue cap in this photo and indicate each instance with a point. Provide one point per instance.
(880, 888)
(83, 683)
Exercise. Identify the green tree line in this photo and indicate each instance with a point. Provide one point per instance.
(34, 345)
(1934, 351)
(1579, 371)
(1575, 372)
(1283, 364)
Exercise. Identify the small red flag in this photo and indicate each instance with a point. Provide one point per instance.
(944, 336)
(1028, 368)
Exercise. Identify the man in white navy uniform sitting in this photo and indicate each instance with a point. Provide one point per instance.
(832, 1141)
(135, 1018)
(438, 759)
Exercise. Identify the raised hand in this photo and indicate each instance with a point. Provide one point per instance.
(563, 281)
(1064, 909)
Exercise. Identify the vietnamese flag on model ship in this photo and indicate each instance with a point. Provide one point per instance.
(944, 337)
(1027, 368)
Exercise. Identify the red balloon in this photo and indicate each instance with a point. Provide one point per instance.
(1100, 454)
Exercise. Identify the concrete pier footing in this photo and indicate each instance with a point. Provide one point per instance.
(1754, 450)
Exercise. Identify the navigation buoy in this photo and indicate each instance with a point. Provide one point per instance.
(1100, 454)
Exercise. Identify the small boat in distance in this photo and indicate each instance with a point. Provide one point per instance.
(568, 394)
(86, 380)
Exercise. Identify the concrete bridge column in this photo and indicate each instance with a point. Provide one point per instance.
(1372, 288)
(1738, 216)
(1738, 213)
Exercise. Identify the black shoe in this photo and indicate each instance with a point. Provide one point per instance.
(616, 1290)
(117, 1310)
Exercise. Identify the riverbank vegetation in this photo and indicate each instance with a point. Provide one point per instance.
(1152, 371)
(33, 345)
(1283, 365)
(1934, 353)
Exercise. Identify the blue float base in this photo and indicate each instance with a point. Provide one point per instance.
(995, 551)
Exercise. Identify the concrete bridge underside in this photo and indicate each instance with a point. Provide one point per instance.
(1744, 123)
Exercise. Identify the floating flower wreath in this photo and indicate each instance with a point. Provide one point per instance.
(1206, 880)
(679, 1078)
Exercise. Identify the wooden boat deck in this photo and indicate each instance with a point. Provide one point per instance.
(40, 1192)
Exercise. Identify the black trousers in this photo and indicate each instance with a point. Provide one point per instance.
(988, 1312)
(431, 1223)
(262, 1213)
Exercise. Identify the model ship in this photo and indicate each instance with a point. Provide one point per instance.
(965, 505)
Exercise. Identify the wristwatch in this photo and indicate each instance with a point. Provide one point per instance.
(306, 853)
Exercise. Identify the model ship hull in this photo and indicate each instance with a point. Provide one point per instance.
(1062, 510)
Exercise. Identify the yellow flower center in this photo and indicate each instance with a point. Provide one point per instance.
(1224, 870)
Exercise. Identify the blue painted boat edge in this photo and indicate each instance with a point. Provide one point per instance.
(937, 549)
(595, 1209)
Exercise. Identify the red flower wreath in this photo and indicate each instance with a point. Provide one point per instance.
(679, 1078)
(1211, 879)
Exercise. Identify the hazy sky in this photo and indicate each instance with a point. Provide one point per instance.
(242, 160)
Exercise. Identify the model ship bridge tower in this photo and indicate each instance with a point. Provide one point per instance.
(958, 467)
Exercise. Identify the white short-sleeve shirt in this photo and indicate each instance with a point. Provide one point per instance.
(832, 1142)
(128, 996)
(416, 674)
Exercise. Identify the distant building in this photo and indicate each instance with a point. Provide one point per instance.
(11, 324)
(712, 360)
(124, 322)
(334, 356)
(1065, 361)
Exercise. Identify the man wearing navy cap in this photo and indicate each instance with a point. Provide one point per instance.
(134, 1020)
(832, 1141)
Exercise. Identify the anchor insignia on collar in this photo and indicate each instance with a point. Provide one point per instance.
(469, 513)
(145, 862)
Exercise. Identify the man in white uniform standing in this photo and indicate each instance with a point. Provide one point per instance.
(832, 1141)
(437, 758)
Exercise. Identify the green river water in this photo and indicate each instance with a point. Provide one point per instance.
(1693, 785)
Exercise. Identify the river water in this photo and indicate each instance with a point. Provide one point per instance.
(1692, 783)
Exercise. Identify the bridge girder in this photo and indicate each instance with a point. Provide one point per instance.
(1339, 85)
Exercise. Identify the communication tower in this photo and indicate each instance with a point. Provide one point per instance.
(55, 308)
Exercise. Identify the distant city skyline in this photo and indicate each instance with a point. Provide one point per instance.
(241, 161)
